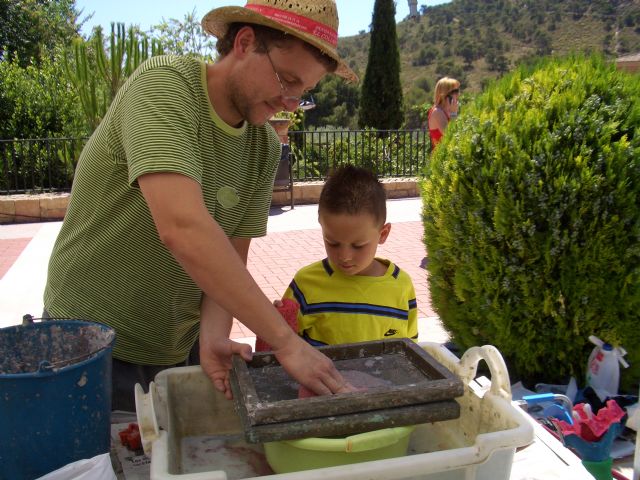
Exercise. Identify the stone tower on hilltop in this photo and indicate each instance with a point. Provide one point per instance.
(413, 8)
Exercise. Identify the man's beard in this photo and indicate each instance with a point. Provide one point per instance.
(243, 105)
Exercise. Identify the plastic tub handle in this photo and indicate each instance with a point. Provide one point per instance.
(500, 384)
(146, 415)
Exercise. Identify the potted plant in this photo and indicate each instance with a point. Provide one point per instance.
(283, 121)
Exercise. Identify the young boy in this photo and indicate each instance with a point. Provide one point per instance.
(353, 296)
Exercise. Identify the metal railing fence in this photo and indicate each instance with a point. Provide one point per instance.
(38, 165)
(43, 165)
(388, 153)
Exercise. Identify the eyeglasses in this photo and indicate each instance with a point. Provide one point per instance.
(283, 89)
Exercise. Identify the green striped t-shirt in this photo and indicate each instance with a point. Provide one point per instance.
(108, 263)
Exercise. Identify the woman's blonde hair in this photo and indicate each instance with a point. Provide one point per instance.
(445, 86)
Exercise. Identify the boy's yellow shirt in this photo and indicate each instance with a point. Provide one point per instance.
(337, 308)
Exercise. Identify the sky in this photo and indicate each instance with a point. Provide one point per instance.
(355, 15)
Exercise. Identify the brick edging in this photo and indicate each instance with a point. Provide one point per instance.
(33, 208)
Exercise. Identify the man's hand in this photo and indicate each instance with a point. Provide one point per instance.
(311, 368)
(216, 362)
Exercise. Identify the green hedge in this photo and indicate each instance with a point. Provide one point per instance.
(532, 218)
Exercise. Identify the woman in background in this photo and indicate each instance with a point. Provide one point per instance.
(445, 107)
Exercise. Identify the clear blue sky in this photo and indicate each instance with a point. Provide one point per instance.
(355, 15)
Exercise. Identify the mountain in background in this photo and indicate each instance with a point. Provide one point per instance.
(478, 40)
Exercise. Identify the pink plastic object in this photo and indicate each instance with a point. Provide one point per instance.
(592, 427)
(289, 311)
(304, 392)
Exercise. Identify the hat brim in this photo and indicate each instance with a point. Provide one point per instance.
(218, 20)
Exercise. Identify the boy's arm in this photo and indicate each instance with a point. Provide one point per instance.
(288, 294)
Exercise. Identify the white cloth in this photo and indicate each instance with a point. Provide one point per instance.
(96, 468)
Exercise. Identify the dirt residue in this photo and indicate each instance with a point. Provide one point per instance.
(50, 346)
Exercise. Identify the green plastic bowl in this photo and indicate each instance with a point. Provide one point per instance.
(309, 453)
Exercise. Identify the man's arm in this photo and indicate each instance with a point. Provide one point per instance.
(200, 245)
(215, 326)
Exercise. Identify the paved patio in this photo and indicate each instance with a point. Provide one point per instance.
(293, 240)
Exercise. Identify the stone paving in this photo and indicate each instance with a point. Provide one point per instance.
(293, 240)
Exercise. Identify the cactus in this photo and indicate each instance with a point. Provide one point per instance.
(97, 78)
(82, 77)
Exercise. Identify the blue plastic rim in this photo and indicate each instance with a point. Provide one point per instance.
(55, 395)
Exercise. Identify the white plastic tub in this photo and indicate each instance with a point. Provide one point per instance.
(192, 432)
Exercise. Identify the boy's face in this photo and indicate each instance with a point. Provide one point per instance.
(351, 242)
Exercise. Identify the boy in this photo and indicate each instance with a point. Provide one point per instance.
(353, 296)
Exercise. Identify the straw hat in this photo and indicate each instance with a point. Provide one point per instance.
(314, 21)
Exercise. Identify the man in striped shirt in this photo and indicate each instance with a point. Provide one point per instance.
(172, 186)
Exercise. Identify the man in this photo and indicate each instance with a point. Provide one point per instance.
(171, 188)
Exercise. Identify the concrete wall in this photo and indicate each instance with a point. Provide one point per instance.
(52, 206)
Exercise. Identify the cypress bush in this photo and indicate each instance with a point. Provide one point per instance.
(532, 219)
(381, 95)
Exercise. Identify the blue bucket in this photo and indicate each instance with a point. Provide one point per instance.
(55, 395)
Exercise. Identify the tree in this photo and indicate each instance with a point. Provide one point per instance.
(467, 51)
(184, 37)
(34, 102)
(381, 95)
(425, 57)
(416, 100)
(35, 99)
(497, 62)
(542, 42)
(96, 73)
(449, 68)
(336, 104)
(32, 28)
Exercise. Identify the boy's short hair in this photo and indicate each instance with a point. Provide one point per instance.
(354, 190)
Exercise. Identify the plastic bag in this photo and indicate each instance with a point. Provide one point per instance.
(96, 468)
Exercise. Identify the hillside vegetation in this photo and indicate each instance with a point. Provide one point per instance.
(479, 40)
